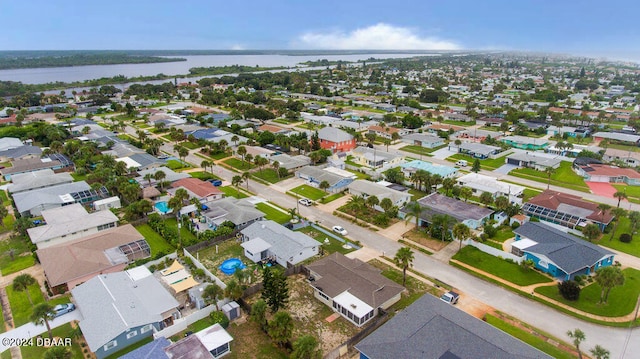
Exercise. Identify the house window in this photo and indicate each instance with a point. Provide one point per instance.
(146, 328)
(132, 334)
(110, 345)
(322, 295)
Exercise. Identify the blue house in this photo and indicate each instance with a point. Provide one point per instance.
(123, 308)
(315, 176)
(560, 254)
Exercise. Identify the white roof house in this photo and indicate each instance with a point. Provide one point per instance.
(368, 188)
(279, 242)
(480, 183)
(37, 200)
(38, 179)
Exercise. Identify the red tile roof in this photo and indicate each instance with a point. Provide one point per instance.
(377, 128)
(552, 199)
(197, 186)
(595, 169)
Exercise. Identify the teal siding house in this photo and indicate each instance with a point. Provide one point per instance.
(525, 143)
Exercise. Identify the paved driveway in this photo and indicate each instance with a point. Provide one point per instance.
(505, 169)
(444, 152)
(30, 330)
(604, 189)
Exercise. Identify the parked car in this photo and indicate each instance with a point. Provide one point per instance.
(450, 297)
(340, 230)
(216, 182)
(305, 202)
(62, 309)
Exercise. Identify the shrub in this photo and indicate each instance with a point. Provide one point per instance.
(381, 219)
(570, 290)
(515, 225)
(219, 317)
(490, 230)
(625, 238)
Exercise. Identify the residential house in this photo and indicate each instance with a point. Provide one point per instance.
(525, 143)
(336, 140)
(618, 137)
(8, 143)
(259, 151)
(240, 212)
(373, 158)
(458, 117)
(566, 210)
(451, 129)
(354, 289)
(595, 172)
(478, 150)
(480, 183)
(491, 121)
(385, 107)
(30, 165)
(473, 216)
(74, 262)
(573, 151)
(37, 179)
(20, 153)
(319, 120)
(314, 176)
(141, 161)
(569, 131)
(423, 140)
(170, 176)
(558, 253)
(387, 132)
(269, 240)
(204, 191)
(290, 162)
(108, 203)
(431, 328)
(629, 158)
(276, 130)
(64, 224)
(35, 201)
(538, 161)
(123, 308)
(478, 135)
(412, 167)
(367, 188)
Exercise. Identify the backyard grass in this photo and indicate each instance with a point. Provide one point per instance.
(76, 177)
(486, 164)
(416, 194)
(331, 197)
(503, 234)
(22, 255)
(269, 175)
(622, 300)
(563, 177)
(231, 191)
(309, 192)
(419, 150)
(63, 331)
(249, 341)
(21, 309)
(219, 155)
(156, 242)
(20, 262)
(213, 256)
(624, 226)
(360, 175)
(333, 246)
(203, 175)
(499, 267)
(185, 234)
(529, 338)
(130, 348)
(273, 214)
(238, 164)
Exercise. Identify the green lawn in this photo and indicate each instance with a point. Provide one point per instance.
(563, 177)
(76, 177)
(21, 309)
(309, 192)
(4, 198)
(334, 245)
(220, 155)
(273, 213)
(415, 287)
(176, 165)
(499, 267)
(360, 175)
(63, 331)
(231, 191)
(156, 242)
(421, 150)
(19, 263)
(331, 197)
(185, 234)
(238, 164)
(622, 300)
(503, 234)
(268, 174)
(416, 194)
(190, 145)
(22, 255)
(529, 193)
(623, 147)
(624, 226)
(486, 164)
(633, 192)
(529, 338)
(459, 123)
(205, 176)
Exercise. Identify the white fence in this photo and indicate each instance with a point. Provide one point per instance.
(181, 324)
(206, 271)
(493, 251)
(173, 255)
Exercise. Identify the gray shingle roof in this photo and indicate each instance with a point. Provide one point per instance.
(567, 252)
(27, 200)
(38, 179)
(334, 134)
(284, 242)
(437, 203)
(21, 151)
(112, 303)
(431, 328)
(234, 210)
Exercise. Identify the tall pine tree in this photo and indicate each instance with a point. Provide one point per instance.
(275, 291)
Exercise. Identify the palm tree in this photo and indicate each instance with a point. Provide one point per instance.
(460, 232)
(58, 352)
(599, 352)
(603, 207)
(404, 259)
(242, 151)
(236, 181)
(372, 201)
(22, 283)
(159, 176)
(148, 177)
(444, 222)
(620, 195)
(447, 185)
(578, 337)
(204, 164)
(324, 185)
(465, 193)
(42, 314)
(212, 293)
(245, 177)
(276, 167)
(235, 139)
(618, 213)
(549, 171)
(414, 209)
(233, 290)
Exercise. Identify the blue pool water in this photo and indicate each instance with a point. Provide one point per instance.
(162, 207)
(229, 266)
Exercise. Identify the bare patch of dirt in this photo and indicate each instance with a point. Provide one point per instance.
(421, 237)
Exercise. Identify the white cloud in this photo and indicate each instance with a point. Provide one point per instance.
(380, 36)
(237, 47)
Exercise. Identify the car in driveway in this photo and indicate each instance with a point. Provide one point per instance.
(305, 202)
(62, 309)
(340, 230)
(450, 297)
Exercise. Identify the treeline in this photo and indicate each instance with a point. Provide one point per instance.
(7, 62)
(231, 69)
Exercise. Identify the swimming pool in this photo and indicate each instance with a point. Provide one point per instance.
(162, 207)
(229, 266)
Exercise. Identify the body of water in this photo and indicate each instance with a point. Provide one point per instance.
(82, 73)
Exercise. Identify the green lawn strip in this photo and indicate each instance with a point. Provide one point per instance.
(19, 263)
(493, 244)
(421, 150)
(528, 193)
(231, 191)
(360, 175)
(623, 147)
(459, 123)
(416, 194)
(486, 164)
(5, 355)
(76, 177)
(130, 348)
(334, 245)
(268, 174)
(503, 234)
(273, 213)
(633, 192)
(624, 226)
(21, 254)
(563, 177)
(238, 164)
(5, 199)
(21, 309)
(499, 267)
(185, 234)
(63, 331)
(331, 197)
(176, 165)
(205, 176)
(309, 192)
(529, 338)
(622, 300)
(544, 301)
(191, 145)
(418, 248)
(156, 242)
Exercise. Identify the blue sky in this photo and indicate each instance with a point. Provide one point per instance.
(585, 27)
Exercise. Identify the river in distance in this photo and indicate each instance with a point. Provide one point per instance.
(82, 73)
